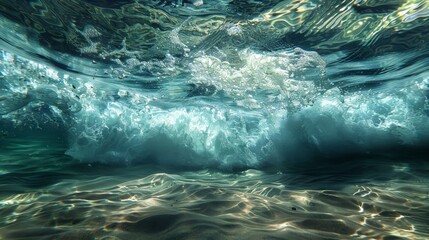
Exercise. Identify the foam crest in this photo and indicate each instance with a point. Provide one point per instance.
(359, 123)
(294, 77)
(191, 136)
(261, 113)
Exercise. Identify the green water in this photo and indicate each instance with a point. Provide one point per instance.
(190, 119)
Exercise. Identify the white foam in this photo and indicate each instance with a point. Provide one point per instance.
(260, 114)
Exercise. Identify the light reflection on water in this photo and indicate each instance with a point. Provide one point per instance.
(295, 89)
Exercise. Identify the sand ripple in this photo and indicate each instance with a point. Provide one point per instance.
(204, 205)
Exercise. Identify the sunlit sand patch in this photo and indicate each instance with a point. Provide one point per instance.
(166, 205)
(187, 205)
(120, 81)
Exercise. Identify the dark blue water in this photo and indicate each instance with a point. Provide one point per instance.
(214, 119)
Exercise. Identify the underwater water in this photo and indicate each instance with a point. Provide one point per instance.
(203, 119)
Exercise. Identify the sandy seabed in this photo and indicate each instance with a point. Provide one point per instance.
(46, 195)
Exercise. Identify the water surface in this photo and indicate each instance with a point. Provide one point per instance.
(214, 119)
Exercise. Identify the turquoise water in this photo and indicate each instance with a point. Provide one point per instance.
(214, 120)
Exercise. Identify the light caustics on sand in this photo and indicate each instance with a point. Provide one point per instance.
(203, 204)
(267, 103)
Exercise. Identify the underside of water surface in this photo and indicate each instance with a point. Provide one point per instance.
(200, 119)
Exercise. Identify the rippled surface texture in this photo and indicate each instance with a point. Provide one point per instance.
(200, 119)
